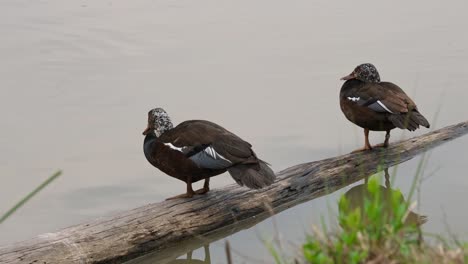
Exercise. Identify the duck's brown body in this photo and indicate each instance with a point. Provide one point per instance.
(399, 109)
(195, 134)
(362, 115)
(175, 163)
(197, 149)
(378, 106)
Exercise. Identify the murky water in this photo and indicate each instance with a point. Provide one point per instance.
(77, 79)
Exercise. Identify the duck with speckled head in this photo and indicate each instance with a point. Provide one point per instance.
(197, 150)
(377, 106)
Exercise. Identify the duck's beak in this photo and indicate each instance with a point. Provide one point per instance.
(348, 77)
(147, 131)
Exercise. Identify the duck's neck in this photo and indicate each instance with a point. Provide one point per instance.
(148, 144)
(350, 84)
(150, 137)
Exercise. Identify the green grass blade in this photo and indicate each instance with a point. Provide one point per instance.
(276, 255)
(29, 196)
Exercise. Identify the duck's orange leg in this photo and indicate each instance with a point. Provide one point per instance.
(206, 187)
(189, 194)
(367, 145)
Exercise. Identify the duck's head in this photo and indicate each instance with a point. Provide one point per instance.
(365, 72)
(158, 122)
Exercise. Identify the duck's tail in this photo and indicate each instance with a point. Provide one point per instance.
(254, 176)
(411, 120)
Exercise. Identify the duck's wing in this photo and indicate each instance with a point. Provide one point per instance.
(383, 97)
(386, 97)
(208, 145)
(396, 99)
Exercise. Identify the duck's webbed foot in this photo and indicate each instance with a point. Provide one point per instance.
(365, 148)
(189, 194)
(367, 145)
(381, 145)
(202, 191)
(184, 195)
(386, 142)
(206, 187)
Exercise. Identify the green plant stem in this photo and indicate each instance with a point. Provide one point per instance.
(29, 196)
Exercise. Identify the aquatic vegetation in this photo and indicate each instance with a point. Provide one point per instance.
(30, 195)
(383, 229)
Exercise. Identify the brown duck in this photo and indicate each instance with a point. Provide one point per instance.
(378, 106)
(197, 150)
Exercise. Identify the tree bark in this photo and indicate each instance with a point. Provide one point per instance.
(170, 228)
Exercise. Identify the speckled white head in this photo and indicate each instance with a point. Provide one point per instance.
(365, 72)
(158, 121)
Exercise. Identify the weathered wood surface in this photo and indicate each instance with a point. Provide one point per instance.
(169, 228)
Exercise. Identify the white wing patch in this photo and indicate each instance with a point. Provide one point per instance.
(215, 155)
(354, 99)
(174, 147)
(384, 107)
(377, 106)
(209, 158)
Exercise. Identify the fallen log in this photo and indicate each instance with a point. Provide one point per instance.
(169, 228)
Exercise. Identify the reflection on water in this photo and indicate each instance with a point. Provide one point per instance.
(359, 194)
(190, 260)
(186, 258)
